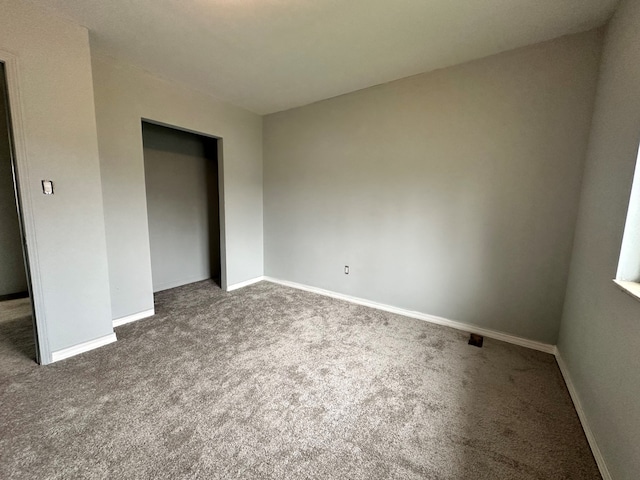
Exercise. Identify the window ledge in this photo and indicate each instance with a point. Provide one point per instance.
(631, 288)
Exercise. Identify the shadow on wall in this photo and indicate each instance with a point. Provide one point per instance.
(13, 279)
(182, 189)
(213, 202)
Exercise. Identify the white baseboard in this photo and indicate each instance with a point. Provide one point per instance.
(597, 454)
(246, 283)
(132, 318)
(505, 337)
(83, 347)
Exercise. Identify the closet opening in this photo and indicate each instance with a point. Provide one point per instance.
(183, 188)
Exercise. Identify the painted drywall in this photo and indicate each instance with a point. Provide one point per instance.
(12, 270)
(124, 95)
(56, 139)
(601, 324)
(184, 233)
(452, 193)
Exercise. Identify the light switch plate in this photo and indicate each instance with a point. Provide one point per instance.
(47, 187)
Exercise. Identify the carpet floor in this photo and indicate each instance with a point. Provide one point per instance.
(269, 382)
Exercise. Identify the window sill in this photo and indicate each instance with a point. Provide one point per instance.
(630, 288)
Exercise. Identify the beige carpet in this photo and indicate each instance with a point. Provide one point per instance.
(273, 383)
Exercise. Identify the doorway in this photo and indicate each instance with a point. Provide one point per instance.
(17, 322)
(183, 206)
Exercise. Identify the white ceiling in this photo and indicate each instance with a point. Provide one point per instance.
(271, 55)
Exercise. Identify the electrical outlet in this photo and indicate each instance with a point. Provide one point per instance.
(346, 269)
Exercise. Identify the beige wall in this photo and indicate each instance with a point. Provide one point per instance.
(49, 61)
(600, 327)
(452, 193)
(125, 95)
